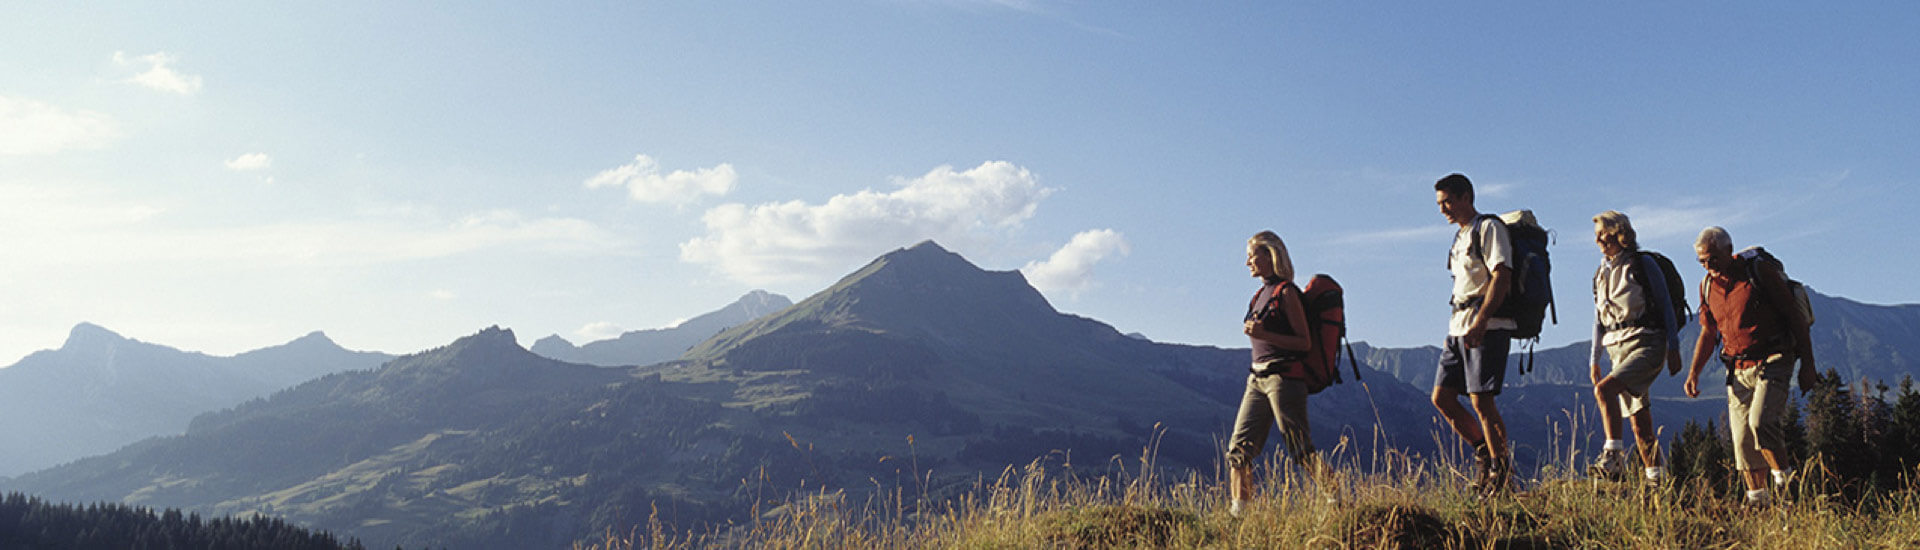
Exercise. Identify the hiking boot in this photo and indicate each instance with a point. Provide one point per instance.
(1482, 469)
(1610, 465)
(1499, 478)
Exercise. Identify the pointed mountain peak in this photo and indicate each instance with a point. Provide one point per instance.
(315, 338)
(923, 289)
(554, 340)
(761, 302)
(927, 251)
(85, 335)
(490, 336)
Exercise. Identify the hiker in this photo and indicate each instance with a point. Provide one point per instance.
(1474, 359)
(1276, 323)
(1747, 309)
(1634, 322)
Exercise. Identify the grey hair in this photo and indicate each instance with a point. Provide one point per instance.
(1276, 252)
(1612, 222)
(1714, 238)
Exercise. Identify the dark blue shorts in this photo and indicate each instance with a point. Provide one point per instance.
(1481, 370)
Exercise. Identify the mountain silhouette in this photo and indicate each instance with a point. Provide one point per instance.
(100, 391)
(646, 347)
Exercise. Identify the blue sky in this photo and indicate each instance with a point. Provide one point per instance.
(225, 176)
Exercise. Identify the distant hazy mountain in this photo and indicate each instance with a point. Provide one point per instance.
(101, 391)
(646, 347)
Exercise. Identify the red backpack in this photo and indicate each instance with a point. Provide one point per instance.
(1326, 308)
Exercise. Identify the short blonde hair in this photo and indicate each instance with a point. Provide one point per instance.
(1276, 252)
(1613, 222)
(1714, 238)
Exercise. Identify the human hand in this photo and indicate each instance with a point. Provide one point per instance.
(1808, 377)
(1475, 334)
(1593, 371)
(1693, 385)
(1251, 327)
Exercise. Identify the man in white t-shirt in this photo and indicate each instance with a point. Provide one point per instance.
(1474, 360)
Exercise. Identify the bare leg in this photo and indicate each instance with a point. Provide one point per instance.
(1447, 400)
(1647, 440)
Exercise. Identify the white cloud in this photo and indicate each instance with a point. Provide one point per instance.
(46, 227)
(645, 184)
(792, 241)
(250, 162)
(29, 127)
(1070, 269)
(1684, 219)
(159, 74)
(594, 332)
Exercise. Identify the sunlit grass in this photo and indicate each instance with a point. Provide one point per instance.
(1402, 502)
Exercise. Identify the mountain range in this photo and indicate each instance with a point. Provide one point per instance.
(100, 391)
(646, 347)
(919, 374)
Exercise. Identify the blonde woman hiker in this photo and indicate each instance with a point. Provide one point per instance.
(1276, 324)
(1637, 326)
(1748, 310)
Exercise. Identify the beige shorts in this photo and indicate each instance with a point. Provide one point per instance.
(1637, 363)
(1756, 406)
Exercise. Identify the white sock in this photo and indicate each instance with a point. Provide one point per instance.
(1757, 496)
(1615, 445)
(1780, 476)
(1654, 473)
(1237, 507)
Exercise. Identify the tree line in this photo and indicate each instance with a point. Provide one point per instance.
(29, 522)
(1851, 440)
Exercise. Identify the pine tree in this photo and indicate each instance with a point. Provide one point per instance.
(1838, 440)
(1701, 453)
(1900, 454)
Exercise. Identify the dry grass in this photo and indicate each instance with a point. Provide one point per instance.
(1406, 502)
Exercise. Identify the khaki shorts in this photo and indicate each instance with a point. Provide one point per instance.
(1269, 398)
(1756, 404)
(1637, 363)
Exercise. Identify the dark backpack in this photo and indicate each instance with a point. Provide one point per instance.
(1530, 300)
(1755, 255)
(1676, 290)
(1325, 305)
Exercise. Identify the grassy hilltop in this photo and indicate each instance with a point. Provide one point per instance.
(1411, 506)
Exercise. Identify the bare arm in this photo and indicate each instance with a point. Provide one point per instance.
(1702, 348)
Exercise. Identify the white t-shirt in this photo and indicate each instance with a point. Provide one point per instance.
(1470, 273)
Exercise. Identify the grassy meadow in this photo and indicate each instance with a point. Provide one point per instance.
(1402, 502)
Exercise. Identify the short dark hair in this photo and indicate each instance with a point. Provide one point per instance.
(1455, 185)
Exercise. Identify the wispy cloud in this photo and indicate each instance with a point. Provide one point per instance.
(1400, 235)
(29, 127)
(1070, 269)
(159, 74)
(250, 162)
(1685, 218)
(645, 183)
(793, 241)
(58, 227)
(594, 332)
